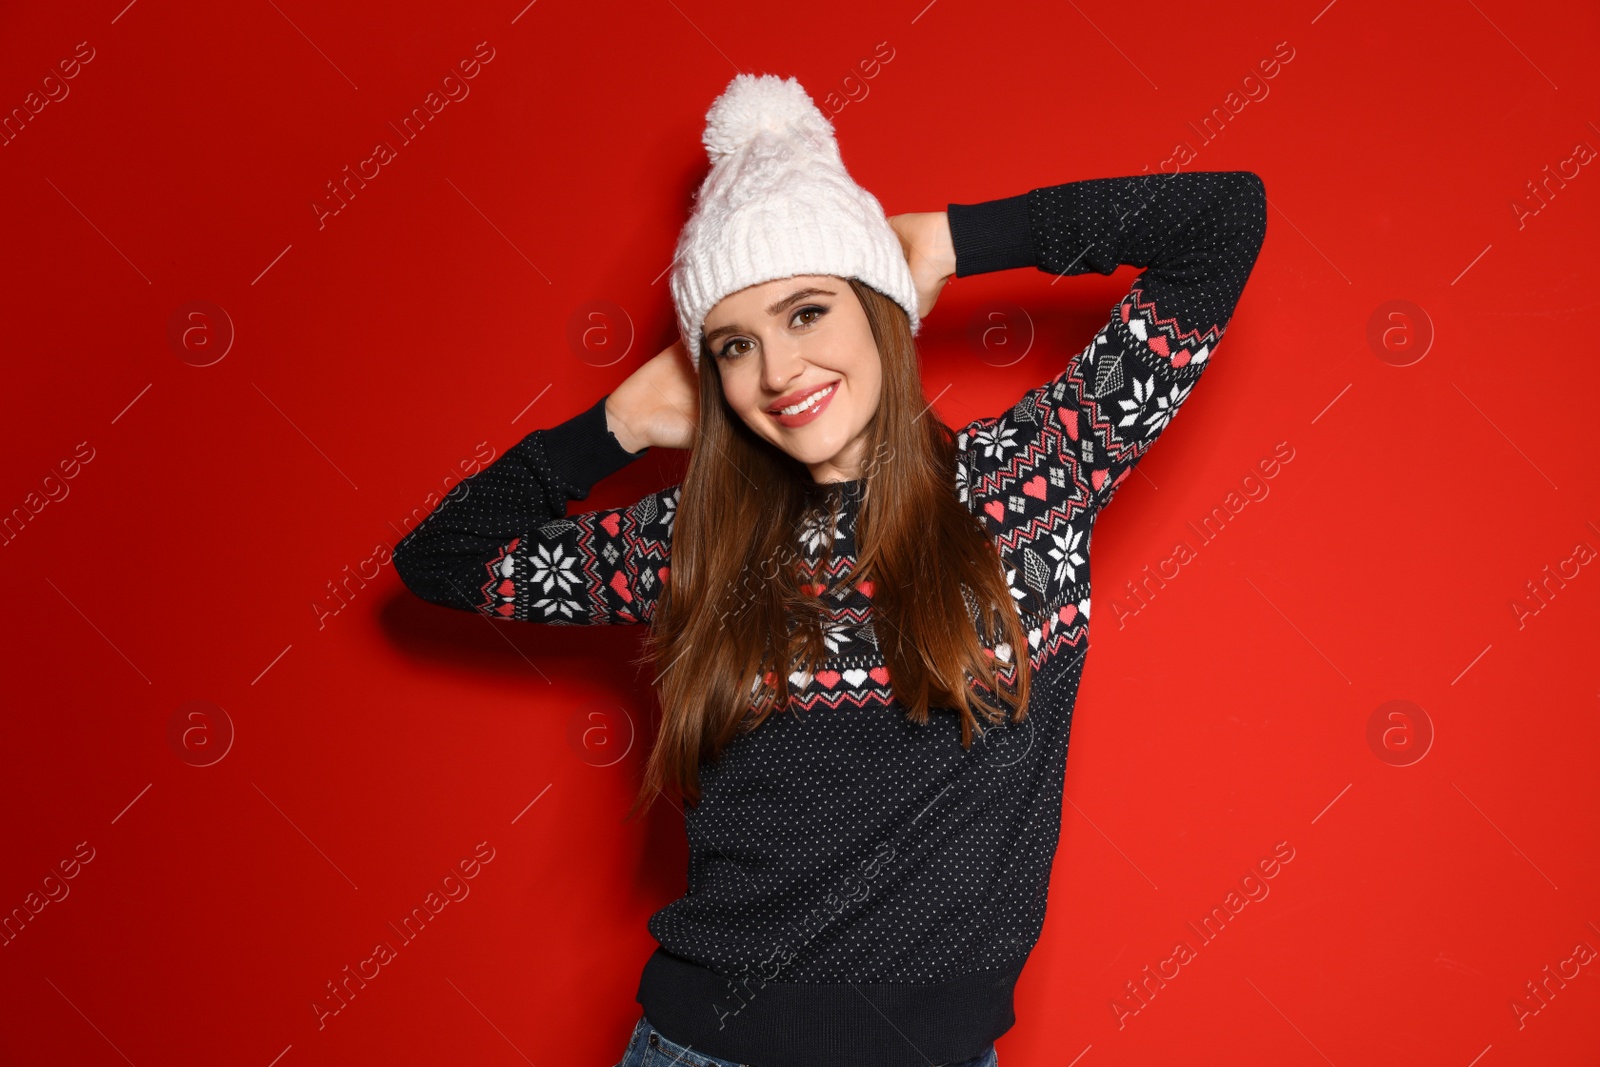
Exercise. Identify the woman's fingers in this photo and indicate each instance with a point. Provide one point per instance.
(925, 240)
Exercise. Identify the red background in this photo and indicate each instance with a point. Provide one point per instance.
(376, 746)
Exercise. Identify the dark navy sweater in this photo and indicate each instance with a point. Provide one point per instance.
(861, 890)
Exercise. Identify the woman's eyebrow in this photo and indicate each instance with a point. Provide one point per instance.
(798, 294)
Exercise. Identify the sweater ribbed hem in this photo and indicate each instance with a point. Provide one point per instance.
(827, 1024)
(993, 235)
(585, 450)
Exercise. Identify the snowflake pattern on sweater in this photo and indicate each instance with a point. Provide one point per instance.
(798, 808)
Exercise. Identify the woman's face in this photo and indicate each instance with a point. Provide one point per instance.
(777, 343)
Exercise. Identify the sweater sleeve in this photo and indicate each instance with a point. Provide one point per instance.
(501, 543)
(1073, 440)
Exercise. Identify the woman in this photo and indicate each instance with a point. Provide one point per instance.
(866, 629)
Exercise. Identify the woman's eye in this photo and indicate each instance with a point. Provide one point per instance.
(726, 351)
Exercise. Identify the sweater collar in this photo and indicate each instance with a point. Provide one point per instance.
(853, 488)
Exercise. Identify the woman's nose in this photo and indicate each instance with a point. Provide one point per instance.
(781, 364)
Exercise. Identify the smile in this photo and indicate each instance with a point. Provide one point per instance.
(808, 402)
(808, 410)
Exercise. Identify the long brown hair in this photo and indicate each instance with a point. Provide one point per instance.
(733, 620)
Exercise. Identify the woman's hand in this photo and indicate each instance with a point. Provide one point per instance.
(930, 253)
(658, 405)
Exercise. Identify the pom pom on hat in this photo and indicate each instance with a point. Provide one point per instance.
(752, 105)
(778, 202)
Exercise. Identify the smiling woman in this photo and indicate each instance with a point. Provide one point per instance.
(867, 628)
(808, 352)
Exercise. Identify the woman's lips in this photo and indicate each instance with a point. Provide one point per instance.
(811, 413)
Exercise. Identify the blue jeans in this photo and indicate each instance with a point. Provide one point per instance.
(648, 1047)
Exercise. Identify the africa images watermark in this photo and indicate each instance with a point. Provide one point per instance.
(384, 952)
(343, 590)
(856, 887)
(454, 88)
(1253, 488)
(1253, 889)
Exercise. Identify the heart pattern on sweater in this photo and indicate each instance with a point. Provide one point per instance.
(855, 676)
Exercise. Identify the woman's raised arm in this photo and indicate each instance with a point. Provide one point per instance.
(503, 545)
(1198, 235)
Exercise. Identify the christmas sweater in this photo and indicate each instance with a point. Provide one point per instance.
(860, 888)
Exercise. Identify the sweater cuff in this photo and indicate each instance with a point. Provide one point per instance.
(583, 450)
(993, 235)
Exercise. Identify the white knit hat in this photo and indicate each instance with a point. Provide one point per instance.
(778, 202)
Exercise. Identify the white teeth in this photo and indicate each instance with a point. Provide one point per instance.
(808, 401)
